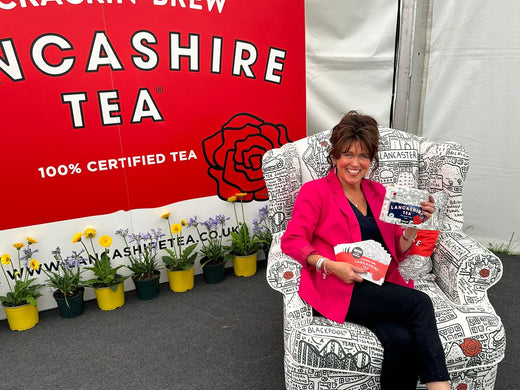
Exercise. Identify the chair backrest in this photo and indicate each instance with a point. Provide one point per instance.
(404, 159)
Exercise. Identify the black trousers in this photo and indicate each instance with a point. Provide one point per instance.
(404, 321)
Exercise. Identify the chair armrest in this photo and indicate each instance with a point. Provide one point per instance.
(464, 268)
(283, 274)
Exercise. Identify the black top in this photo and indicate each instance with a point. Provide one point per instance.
(368, 225)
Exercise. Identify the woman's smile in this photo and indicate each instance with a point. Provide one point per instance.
(352, 165)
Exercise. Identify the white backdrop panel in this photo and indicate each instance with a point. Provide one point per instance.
(350, 59)
(51, 235)
(472, 97)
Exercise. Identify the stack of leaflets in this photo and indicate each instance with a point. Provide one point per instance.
(369, 255)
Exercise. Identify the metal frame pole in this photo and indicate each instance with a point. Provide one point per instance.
(412, 65)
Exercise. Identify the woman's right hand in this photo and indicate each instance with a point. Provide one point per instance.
(347, 272)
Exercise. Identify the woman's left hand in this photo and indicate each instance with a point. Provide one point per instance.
(428, 208)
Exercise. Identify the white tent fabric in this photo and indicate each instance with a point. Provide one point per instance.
(472, 97)
(350, 59)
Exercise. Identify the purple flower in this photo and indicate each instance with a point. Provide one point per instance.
(56, 252)
(157, 234)
(263, 213)
(122, 232)
(207, 224)
(193, 222)
(221, 219)
(28, 254)
(75, 259)
(134, 237)
(257, 228)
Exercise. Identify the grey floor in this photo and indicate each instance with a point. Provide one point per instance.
(505, 297)
(223, 336)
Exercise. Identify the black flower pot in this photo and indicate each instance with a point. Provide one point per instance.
(147, 288)
(213, 271)
(72, 306)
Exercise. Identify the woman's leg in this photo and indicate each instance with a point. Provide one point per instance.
(372, 304)
(400, 369)
(438, 385)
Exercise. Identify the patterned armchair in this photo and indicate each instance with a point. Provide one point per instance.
(322, 354)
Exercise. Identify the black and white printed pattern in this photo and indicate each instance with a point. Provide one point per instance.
(322, 354)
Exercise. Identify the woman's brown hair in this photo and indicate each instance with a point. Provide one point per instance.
(355, 127)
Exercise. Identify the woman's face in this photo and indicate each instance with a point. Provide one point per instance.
(352, 165)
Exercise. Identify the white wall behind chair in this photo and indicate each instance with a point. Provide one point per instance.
(350, 59)
(473, 97)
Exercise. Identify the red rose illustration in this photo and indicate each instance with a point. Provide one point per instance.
(288, 275)
(471, 347)
(462, 386)
(484, 272)
(417, 219)
(234, 155)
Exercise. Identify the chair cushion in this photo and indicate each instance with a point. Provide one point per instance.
(418, 263)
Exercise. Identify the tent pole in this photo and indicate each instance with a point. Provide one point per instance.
(412, 65)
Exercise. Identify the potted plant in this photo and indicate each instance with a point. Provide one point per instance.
(66, 281)
(214, 253)
(179, 262)
(262, 229)
(20, 303)
(144, 266)
(244, 246)
(108, 283)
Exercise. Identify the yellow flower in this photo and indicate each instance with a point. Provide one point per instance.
(165, 215)
(176, 228)
(241, 194)
(90, 233)
(18, 245)
(232, 198)
(34, 264)
(6, 259)
(183, 222)
(31, 240)
(77, 237)
(105, 241)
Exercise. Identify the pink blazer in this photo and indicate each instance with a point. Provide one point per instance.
(322, 218)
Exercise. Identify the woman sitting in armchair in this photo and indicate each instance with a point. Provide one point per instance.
(343, 207)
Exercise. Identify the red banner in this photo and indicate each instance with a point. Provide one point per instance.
(110, 106)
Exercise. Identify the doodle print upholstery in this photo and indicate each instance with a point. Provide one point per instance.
(322, 354)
